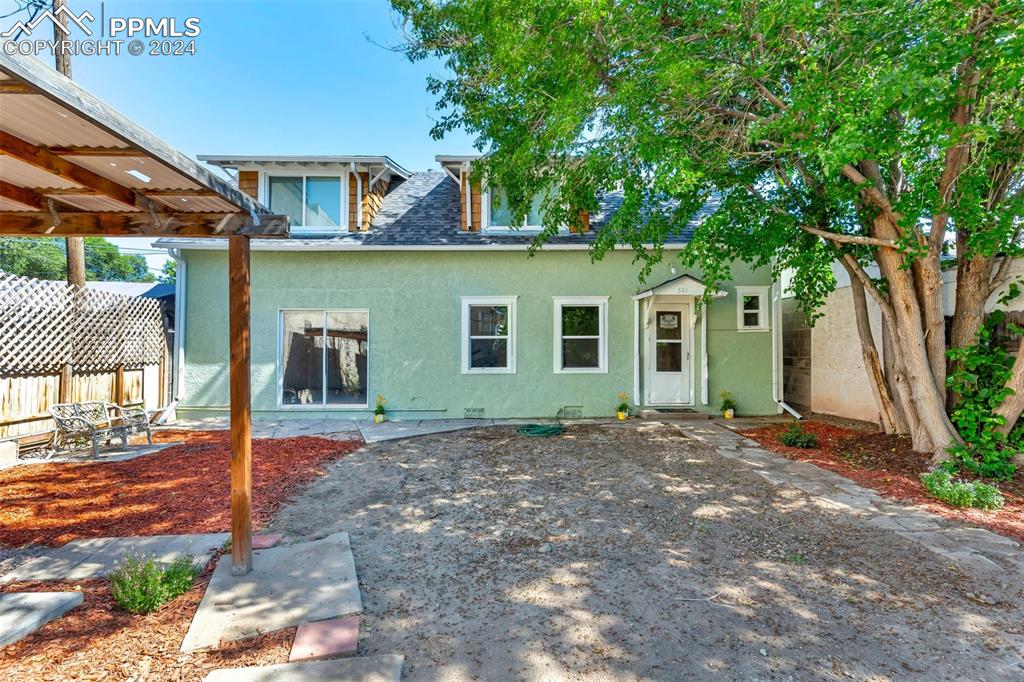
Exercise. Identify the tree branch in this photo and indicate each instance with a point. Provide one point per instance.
(842, 238)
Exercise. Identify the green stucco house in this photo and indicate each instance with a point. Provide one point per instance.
(414, 286)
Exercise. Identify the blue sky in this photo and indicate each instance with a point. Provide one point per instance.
(272, 78)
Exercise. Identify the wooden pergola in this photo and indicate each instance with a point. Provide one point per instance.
(70, 166)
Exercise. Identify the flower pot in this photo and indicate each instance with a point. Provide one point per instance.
(729, 414)
(622, 415)
(379, 418)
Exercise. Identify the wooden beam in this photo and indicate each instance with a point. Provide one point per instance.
(10, 87)
(241, 410)
(96, 151)
(140, 224)
(179, 193)
(51, 163)
(22, 195)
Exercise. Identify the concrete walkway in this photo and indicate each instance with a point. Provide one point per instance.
(22, 613)
(96, 557)
(972, 548)
(288, 585)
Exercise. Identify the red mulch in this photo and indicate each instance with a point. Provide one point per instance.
(99, 641)
(181, 489)
(889, 465)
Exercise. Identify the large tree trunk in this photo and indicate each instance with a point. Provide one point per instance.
(973, 274)
(876, 377)
(1014, 404)
(912, 347)
(928, 287)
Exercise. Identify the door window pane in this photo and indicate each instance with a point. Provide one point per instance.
(669, 325)
(669, 357)
(347, 337)
(286, 198)
(323, 202)
(578, 320)
(302, 358)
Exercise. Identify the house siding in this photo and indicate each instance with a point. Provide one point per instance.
(415, 331)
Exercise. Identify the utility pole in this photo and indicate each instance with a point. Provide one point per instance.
(74, 246)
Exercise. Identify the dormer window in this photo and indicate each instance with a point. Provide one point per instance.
(499, 215)
(313, 203)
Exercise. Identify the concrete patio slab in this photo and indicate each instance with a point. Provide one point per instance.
(334, 638)
(387, 668)
(289, 585)
(22, 613)
(96, 557)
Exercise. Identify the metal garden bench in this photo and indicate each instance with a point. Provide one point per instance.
(97, 422)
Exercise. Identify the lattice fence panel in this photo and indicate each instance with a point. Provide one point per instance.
(45, 325)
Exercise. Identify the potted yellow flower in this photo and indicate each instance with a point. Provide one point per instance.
(623, 409)
(728, 405)
(378, 412)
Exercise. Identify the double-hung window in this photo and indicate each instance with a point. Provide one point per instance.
(489, 335)
(581, 334)
(752, 309)
(323, 358)
(313, 203)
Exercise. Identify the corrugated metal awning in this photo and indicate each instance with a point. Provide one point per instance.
(72, 166)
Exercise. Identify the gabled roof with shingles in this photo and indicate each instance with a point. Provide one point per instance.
(425, 211)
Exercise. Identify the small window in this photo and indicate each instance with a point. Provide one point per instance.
(752, 308)
(488, 331)
(312, 202)
(498, 216)
(581, 339)
(323, 359)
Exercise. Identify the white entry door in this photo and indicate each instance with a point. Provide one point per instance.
(668, 354)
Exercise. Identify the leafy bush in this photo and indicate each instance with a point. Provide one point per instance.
(961, 493)
(728, 402)
(795, 437)
(140, 585)
(979, 383)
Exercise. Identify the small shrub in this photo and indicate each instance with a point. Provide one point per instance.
(795, 437)
(961, 493)
(728, 402)
(140, 585)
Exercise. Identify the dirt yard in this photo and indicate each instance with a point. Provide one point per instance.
(632, 552)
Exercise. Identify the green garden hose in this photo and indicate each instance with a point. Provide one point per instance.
(541, 430)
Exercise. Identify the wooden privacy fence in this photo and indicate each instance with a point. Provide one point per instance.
(59, 343)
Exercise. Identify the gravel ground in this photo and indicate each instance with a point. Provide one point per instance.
(631, 552)
(12, 557)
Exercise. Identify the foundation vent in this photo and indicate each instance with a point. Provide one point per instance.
(474, 413)
(572, 412)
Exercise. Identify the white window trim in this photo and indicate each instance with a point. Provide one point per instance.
(601, 303)
(280, 360)
(485, 220)
(763, 323)
(342, 175)
(509, 301)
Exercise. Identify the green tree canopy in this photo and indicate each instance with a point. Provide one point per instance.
(44, 258)
(864, 131)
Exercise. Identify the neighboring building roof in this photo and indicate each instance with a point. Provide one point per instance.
(236, 161)
(140, 289)
(424, 211)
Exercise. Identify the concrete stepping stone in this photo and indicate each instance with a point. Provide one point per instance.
(334, 638)
(288, 585)
(96, 557)
(22, 613)
(386, 668)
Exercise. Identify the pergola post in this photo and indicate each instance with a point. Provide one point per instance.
(241, 417)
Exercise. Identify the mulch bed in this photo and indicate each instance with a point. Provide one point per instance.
(98, 641)
(889, 465)
(181, 489)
